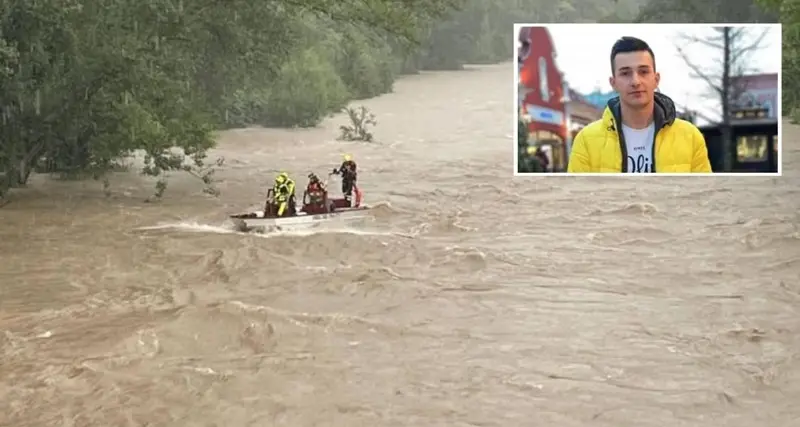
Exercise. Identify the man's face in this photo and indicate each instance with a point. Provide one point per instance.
(635, 78)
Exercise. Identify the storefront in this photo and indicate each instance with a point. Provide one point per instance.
(757, 91)
(541, 94)
(553, 112)
(757, 99)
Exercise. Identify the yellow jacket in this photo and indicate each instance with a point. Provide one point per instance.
(679, 146)
(284, 189)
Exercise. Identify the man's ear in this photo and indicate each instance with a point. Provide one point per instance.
(658, 79)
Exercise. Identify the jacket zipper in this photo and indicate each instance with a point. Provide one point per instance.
(622, 145)
(655, 139)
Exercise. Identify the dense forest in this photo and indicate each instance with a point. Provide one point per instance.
(789, 12)
(84, 83)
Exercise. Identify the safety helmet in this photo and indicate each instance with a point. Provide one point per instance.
(347, 157)
(281, 177)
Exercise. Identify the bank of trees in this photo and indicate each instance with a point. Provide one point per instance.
(707, 11)
(789, 12)
(85, 83)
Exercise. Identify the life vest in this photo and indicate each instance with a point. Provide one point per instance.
(315, 192)
(349, 169)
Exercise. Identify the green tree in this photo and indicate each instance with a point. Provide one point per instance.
(87, 83)
(708, 11)
(789, 12)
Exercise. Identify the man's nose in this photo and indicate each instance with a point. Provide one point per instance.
(635, 81)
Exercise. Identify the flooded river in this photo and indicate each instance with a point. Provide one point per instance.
(471, 299)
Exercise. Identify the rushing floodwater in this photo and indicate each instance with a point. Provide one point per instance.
(472, 299)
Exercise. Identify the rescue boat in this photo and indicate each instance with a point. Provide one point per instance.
(309, 215)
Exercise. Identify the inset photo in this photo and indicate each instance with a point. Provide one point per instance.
(648, 98)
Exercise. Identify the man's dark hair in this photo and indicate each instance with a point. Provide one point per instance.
(630, 44)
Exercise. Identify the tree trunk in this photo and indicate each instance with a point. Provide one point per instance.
(728, 144)
(26, 165)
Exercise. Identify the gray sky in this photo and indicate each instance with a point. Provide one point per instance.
(583, 55)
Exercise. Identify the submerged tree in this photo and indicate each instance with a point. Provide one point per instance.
(361, 119)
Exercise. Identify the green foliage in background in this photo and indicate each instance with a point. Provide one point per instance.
(789, 12)
(707, 11)
(86, 83)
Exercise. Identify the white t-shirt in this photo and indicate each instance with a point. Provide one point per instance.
(640, 148)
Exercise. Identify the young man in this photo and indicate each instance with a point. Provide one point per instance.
(639, 131)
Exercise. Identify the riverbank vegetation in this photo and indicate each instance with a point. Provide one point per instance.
(361, 120)
(789, 12)
(86, 83)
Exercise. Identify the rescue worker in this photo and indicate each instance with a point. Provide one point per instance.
(283, 192)
(349, 174)
(316, 190)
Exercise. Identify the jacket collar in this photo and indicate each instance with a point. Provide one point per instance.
(664, 113)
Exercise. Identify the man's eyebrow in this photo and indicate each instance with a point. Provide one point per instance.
(642, 66)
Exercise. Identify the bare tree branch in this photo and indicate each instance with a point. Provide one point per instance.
(739, 53)
(710, 42)
(728, 86)
(698, 72)
(728, 83)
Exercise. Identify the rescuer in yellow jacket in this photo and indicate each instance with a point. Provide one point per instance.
(283, 192)
(639, 131)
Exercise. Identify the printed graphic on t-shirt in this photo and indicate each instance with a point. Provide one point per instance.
(639, 161)
(639, 143)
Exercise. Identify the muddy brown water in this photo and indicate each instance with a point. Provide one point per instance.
(470, 299)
